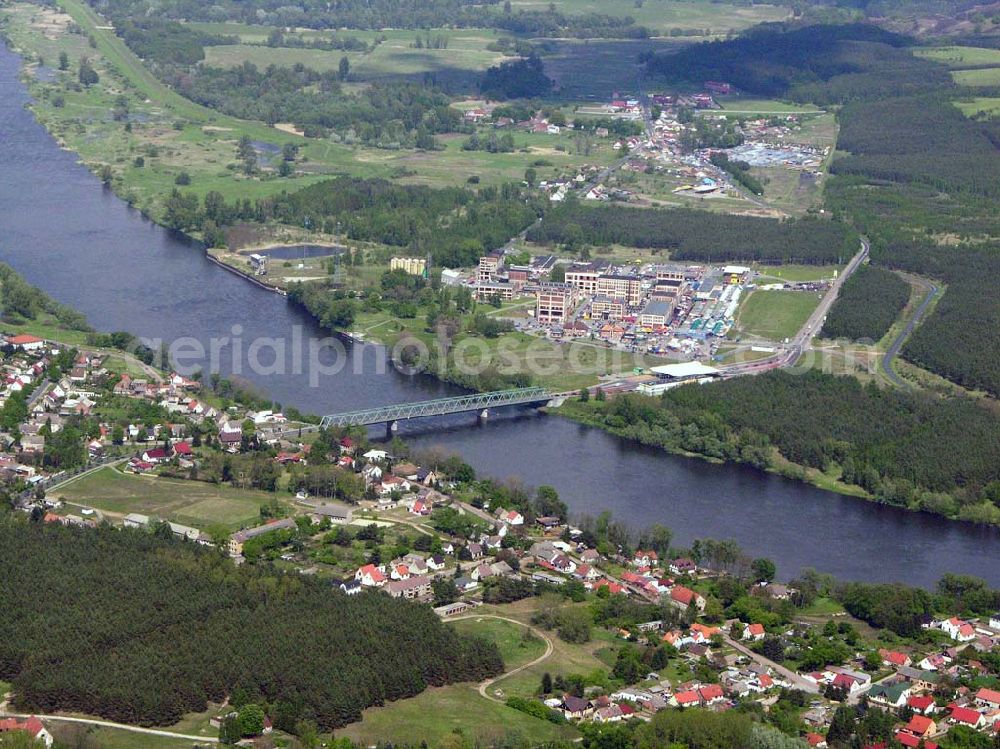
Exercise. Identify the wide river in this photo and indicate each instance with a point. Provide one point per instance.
(88, 249)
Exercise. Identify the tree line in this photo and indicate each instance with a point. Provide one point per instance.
(20, 301)
(384, 14)
(141, 630)
(690, 234)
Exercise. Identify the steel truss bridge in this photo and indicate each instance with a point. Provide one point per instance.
(480, 402)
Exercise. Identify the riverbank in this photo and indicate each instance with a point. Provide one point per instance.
(880, 465)
(585, 413)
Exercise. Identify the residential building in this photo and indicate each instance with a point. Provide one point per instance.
(238, 539)
(414, 587)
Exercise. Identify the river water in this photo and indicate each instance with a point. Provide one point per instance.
(74, 239)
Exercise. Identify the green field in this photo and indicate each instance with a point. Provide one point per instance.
(990, 105)
(664, 15)
(438, 712)
(394, 57)
(961, 57)
(980, 77)
(188, 502)
(112, 738)
(517, 644)
(776, 315)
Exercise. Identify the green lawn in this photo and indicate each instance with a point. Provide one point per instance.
(113, 738)
(436, 713)
(189, 502)
(961, 57)
(776, 315)
(822, 607)
(566, 658)
(517, 644)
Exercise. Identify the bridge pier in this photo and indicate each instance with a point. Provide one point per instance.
(391, 427)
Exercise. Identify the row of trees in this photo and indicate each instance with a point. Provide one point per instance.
(695, 235)
(142, 630)
(383, 14)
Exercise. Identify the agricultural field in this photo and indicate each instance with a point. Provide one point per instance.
(776, 315)
(663, 16)
(980, 106)
(961, 57)
(393, 58)
(979, 77)
(187, 502)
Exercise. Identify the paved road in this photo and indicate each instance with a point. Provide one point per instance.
(118, 726)
(793, 678)
(534, 630)
(803, 339)
(897, 344)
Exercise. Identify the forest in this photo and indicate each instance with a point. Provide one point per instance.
(822, 63)
(691, 234)
(141, 630)
(906, 449)
(454, 225)
(869, 303)
(383, 14)
(385, 115)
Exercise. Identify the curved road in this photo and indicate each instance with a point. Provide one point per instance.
(483, 686)
(897, 344)
(802, 340)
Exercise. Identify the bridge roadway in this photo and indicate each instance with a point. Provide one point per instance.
(480, 402)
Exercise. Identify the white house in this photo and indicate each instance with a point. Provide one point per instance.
(958, 630)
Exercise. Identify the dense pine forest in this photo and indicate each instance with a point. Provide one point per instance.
(868, 304)
(141, 630)
(697, 235)
(907, 449)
